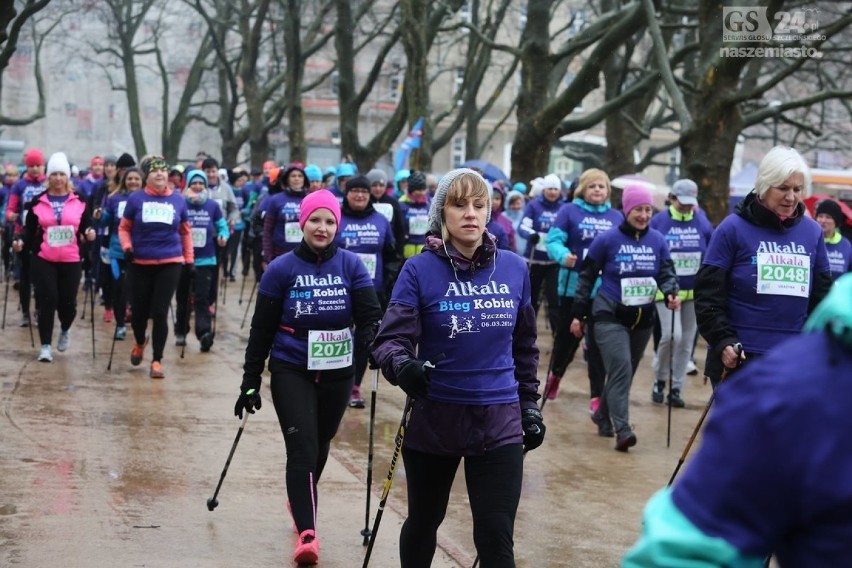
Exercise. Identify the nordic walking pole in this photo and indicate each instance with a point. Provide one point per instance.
(189, 295)
(400, 437)
(671, 380)
(242, 289)
(739, 349)
(212, 503)
(248, 305)
(370, 427)
(112, 349)
(5, 300)
(85, 301)
(224, 291)
(92, 314)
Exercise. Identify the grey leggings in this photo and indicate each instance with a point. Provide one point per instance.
(685, 328)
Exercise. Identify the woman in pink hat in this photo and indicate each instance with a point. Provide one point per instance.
(308, 300)
(633, 261)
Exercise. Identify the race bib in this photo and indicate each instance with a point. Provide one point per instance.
(153, 212)
(541, 245)
(783, 274)
(369, 261)
(199, 237)
(292, 232)
(329, 349)
(386, 209)
(418, 225)
(60, 235)
(120, 208)
(686, 263)
(638, 291)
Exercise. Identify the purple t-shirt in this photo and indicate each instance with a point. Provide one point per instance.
(471, 321)
(581, 228)
(313, 298)
(202, 222)
(839, 257)
(688, 242)
(366, 237)
(771, 275)
(156, 221)
(629, 267)
(284, 209)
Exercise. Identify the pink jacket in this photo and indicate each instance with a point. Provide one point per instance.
(59, 241)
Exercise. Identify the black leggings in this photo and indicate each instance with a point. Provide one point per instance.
(56, 285)
(120, 293)
(309, 413)
(152, 291)
(198, 285)
(546, 277)
(493, 487)
(565, 347)
(25, 290)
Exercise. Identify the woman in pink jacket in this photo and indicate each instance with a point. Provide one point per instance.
(56, 222)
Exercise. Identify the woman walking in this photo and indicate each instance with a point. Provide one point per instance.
(307, 302)
(56, 223)
(633, 262)
(367, 233)
(110, 217)
(464, 299)
(157, 240)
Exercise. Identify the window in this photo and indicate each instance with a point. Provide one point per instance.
(465, 13)
(458, 151)
(522, 18)
(335, 80)
(394, 86)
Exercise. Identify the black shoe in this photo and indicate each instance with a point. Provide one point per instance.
(675, 400)
(604, 425)
(657, 391)
(625, 440)
(180, 340)
(206, 342)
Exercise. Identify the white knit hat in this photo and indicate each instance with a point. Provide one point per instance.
(58, 162)
(440, 197)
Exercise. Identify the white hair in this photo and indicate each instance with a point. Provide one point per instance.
(779, 164)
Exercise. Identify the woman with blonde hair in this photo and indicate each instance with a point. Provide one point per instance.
(464, 299)
(578, 223)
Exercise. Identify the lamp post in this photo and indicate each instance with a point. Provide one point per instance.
(774, 105)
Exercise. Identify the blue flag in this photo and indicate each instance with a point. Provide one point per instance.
(411, 142)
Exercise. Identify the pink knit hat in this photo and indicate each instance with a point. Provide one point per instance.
(318, 200)
(634, 196)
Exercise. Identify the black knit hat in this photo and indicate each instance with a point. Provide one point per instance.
(833, 210)
(357, 181)
(416, 181)
(125, 161)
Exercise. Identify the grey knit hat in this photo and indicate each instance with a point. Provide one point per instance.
(377, 176)
(440, 196)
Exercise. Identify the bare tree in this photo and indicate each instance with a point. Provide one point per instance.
(12, 22)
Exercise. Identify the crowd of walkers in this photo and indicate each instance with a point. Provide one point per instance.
(437, 281)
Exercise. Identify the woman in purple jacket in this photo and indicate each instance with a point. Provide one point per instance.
(56, 221)
(463, 299)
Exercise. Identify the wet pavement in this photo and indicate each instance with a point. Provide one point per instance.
(111, 468)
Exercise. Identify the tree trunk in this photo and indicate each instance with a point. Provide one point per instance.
(132, 85)
(293, 84)
(413, 14)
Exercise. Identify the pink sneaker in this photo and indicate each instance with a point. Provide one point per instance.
(107, 316)
(594, 404)
(307, 551)
(551, 387)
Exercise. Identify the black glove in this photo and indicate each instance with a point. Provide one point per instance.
(371, 361)
(413, 378)
(129, 256)
(249, 400)
(190, 269)
(533, 425)
(534, 238)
